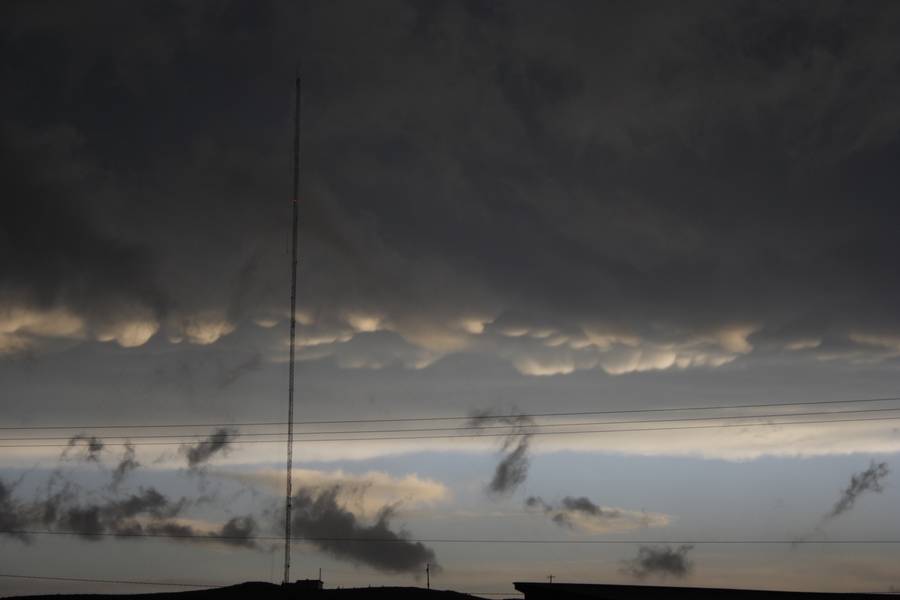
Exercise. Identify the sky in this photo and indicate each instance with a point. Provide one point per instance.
(508, 209)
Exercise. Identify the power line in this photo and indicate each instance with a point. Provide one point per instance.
(487, 435)
(117, 581)
(519, 428)
(450, 418)
(399, 540)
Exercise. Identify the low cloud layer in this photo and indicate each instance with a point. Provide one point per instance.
(368, 492)
(147, 512)
(118, 517)
(332, 516)
(337, 531)
(659, 561)
(237, 531)
(584, 515)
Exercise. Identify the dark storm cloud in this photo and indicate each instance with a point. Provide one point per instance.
(93, 446)
(663, 561)
(218, 442)
(245, 280)
(52, 253)
(665, 188)
(869, 480)
(334, 529)
(126, 465)
(512, 470)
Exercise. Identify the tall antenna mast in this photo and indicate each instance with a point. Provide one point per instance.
(290, 439)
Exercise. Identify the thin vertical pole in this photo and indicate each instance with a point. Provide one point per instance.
(290, 441)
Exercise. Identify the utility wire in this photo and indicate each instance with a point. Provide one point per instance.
(400, 540)
(518, 428)
(452, 418)
(483, 435)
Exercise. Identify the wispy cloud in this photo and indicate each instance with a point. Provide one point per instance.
(869, 480)
(512, 470)
(218, 442)
(580, 513)
(126, 465)
(93, 446)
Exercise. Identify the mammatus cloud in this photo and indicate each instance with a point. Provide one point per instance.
(867, 481)
(512, 470)
(582, 514)
(20, 325)
(218, 442)
(332, 528)
(93, 446)
(201, 328)
(545, 350)
(662, 561)
(126, 465)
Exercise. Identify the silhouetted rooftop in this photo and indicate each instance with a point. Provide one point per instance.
(541, 591)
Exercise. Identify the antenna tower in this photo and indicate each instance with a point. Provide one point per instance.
(294, 252)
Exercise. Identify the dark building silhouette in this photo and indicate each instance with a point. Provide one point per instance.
(563, 591)
(305, 584)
